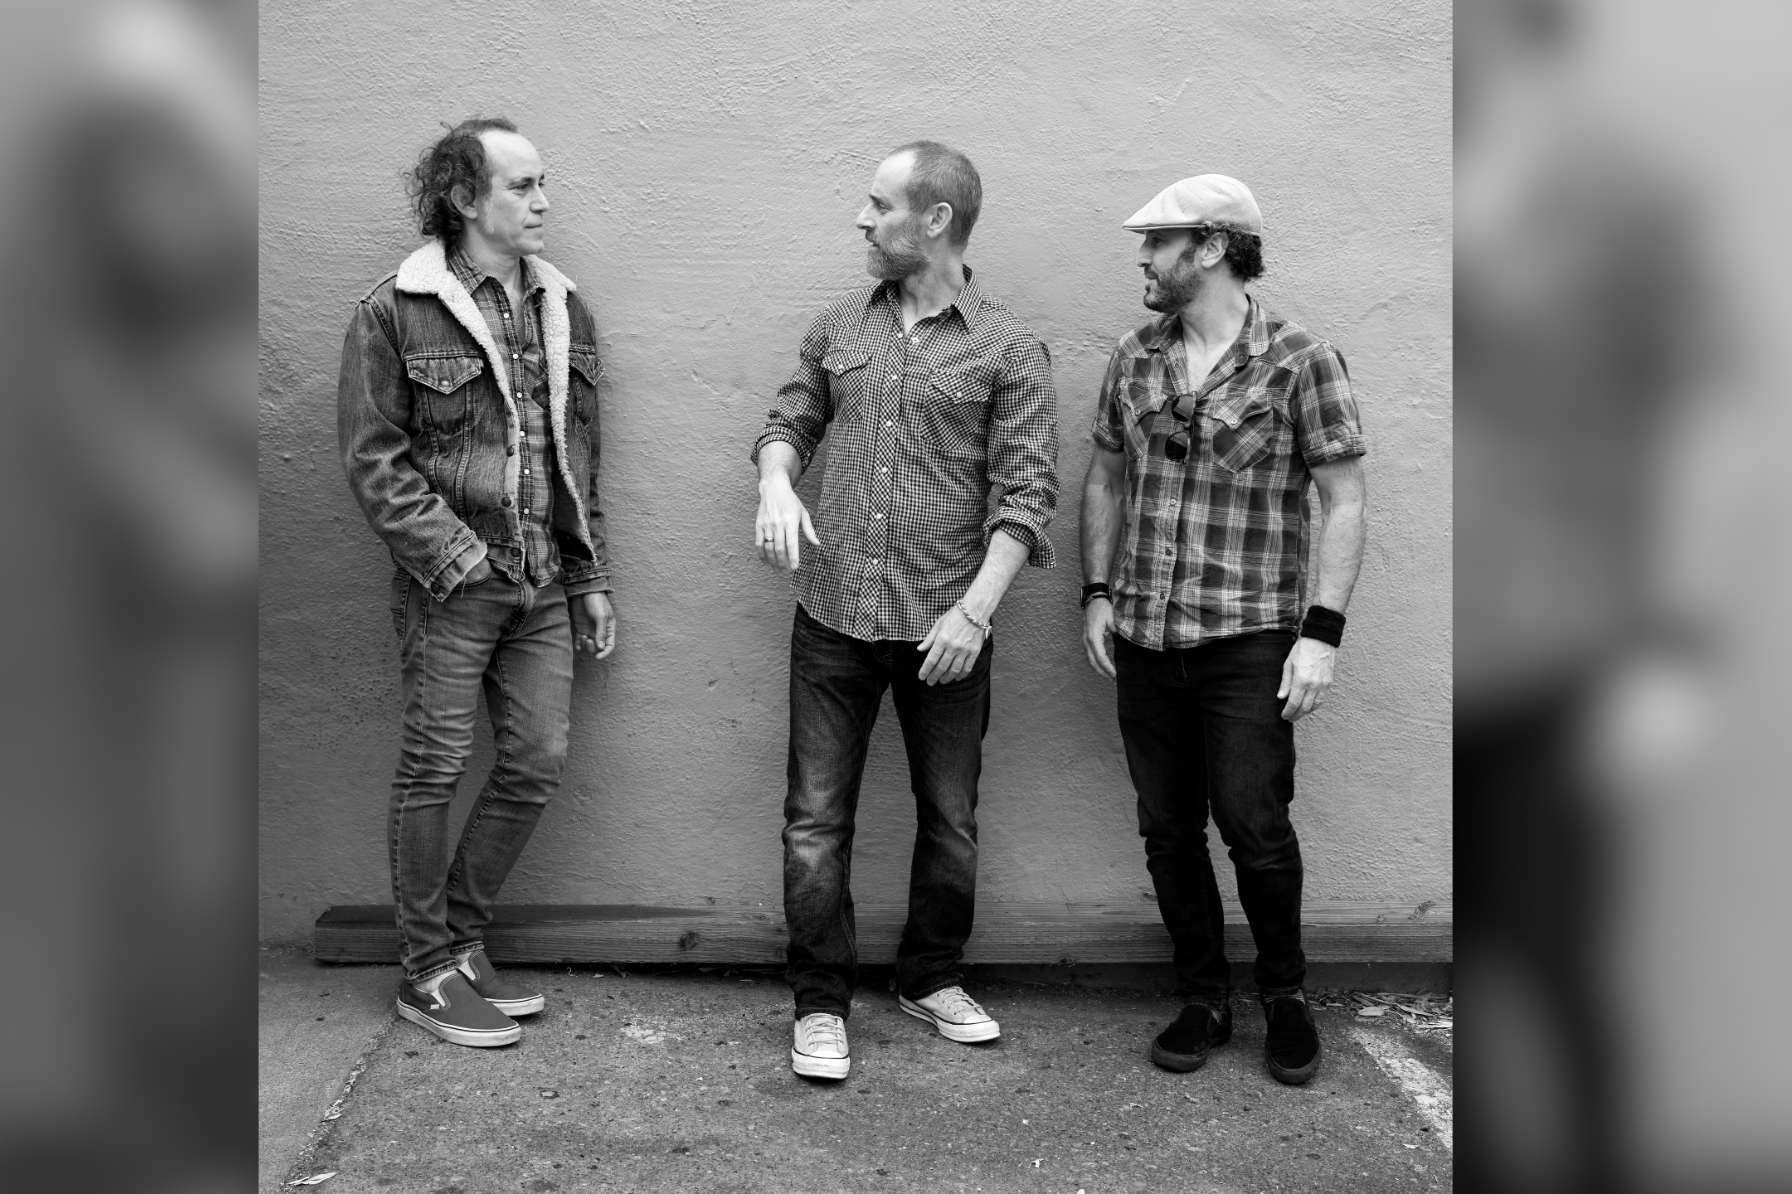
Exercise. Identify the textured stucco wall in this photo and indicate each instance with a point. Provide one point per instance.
(706, 161)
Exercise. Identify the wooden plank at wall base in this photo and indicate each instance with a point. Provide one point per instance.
(1050, 933)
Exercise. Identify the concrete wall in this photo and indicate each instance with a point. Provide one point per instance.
(706, 161)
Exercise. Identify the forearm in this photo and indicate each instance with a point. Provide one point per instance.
(779, 462)
(1340, 554)
(1001, 564)
(1101, 526)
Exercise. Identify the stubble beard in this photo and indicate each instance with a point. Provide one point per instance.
(900, 258)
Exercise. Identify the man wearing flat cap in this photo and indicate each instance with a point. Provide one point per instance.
(1213, 420)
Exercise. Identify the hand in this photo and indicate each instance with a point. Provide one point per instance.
(1306, 675)
(782, 523)
(478, 574)
(952, 647)
(593, 625)
(1098, 635)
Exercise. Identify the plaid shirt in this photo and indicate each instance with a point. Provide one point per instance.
(518, 335)
(1212, 545)
(924, 425)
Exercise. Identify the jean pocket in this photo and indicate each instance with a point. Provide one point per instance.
(401, 600)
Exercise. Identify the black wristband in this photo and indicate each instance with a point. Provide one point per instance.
(1326, 625)
(1097, 589)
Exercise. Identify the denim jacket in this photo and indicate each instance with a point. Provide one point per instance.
(429, 433)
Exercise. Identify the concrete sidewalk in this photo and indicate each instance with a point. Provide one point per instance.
(681, 1082)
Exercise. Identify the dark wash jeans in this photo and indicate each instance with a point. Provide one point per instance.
(837, 684)
(514, 641)
(1204, 734)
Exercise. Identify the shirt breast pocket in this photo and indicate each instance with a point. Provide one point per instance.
(1141, 406)
(846, 384)
(955, 413)
(441, 385)
(1242, 429)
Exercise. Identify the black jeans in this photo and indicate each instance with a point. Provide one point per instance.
(1204, 733)
(837, 684)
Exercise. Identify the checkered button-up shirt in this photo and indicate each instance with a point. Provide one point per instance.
(518, 336)
(936, 437)
(1213, 545)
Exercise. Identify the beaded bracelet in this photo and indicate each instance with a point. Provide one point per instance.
(971, 617)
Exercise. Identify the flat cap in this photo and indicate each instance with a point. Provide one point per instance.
(1204, 199)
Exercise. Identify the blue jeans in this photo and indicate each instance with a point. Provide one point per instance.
(1204, 734)
(514, 642)
(837, 684)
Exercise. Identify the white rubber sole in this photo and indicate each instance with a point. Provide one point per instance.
(834, 1068)
(475, 1038)
(964, 1034)
(520, 1007)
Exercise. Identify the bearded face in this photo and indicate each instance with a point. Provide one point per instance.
(894, 249)
(1175, 286)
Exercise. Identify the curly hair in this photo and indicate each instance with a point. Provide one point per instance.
(1244, 250)
(456, 163)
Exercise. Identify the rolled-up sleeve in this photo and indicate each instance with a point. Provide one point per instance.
(1106, 429)
(1023, 450)
(1327, 426)
(804, 407)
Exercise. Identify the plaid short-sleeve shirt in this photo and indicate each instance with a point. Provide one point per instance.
(936, 437)
(1213, 545)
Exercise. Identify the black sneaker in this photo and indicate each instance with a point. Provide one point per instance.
(1184, 1044)
(1292, 1044)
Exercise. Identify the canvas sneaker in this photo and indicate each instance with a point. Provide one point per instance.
(1291, 1044)
(1184, 1045)
(507, 995)
(447, 1005)
(955, 1014)
(819, 1048)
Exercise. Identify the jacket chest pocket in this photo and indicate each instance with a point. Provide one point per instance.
(1242, 429)
(847, 379)
(954, 414)
(443, 388)
(586, 369)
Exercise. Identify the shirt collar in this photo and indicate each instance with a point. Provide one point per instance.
(1253, 337)
(472, 277)
(968, 302)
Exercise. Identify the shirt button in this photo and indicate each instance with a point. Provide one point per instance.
(519, 393)
(516, 356)
(894, 376)
(506, 315)
(505, 501)
(525, 509)
(510, 450)
(884, 469)
(888, 423)
(877, 516)
(525, 472)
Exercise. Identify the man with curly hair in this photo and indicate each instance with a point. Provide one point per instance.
(1214, 421)
(467, 413)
